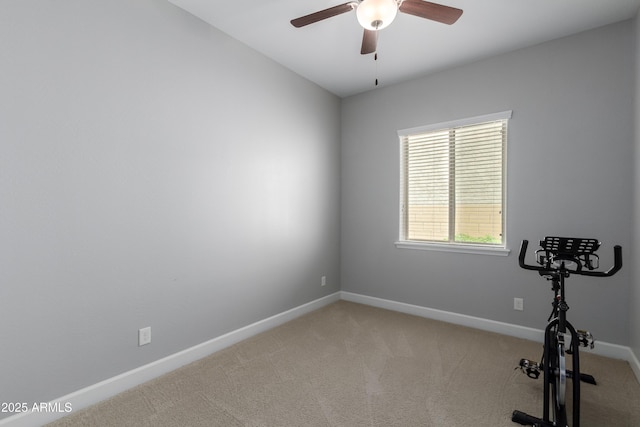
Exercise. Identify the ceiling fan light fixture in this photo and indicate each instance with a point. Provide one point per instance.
(376, 14)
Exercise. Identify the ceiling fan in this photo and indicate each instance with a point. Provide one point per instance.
(375, 15)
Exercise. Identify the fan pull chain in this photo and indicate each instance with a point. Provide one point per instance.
(375, 58)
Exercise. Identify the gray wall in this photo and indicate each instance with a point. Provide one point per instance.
(570, 164)
(153, 172)
(634, 300)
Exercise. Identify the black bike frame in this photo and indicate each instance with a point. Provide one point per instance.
(555, 331)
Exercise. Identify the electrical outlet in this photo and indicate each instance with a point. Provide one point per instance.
(144, 336)
(518, 304)
(323, 281)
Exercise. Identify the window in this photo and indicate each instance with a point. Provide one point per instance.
(453, 184)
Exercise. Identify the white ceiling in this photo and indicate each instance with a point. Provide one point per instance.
(328, 52)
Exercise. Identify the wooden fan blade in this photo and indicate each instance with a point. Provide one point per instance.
(323, 14)
(433, 11)
(369, 42)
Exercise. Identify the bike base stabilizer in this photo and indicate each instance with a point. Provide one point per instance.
(527, 420)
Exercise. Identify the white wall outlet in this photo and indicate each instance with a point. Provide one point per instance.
(323, 281)
(144, 336)
(518, 304)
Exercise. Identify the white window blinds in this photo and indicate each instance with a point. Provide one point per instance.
(453, 181)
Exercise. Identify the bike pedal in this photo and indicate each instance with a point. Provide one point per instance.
(532, 369)
(585, 339)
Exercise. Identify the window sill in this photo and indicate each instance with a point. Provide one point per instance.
(449, 247)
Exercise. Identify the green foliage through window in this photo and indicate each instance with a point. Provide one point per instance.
(465, 238)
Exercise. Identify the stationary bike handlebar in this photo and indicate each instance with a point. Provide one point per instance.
(617, 253)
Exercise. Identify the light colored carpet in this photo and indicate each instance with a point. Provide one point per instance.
(349, 365)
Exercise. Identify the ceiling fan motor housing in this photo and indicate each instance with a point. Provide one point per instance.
(376, 14)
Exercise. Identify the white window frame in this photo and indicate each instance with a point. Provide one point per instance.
(403, 243)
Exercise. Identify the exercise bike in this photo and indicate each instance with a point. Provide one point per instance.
(558, 258)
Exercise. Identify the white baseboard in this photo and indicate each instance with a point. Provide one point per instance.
(614, 351)
(108, 388)
(447, 316)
